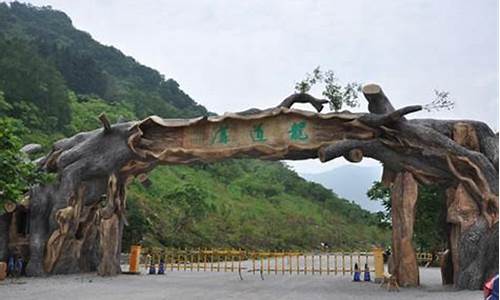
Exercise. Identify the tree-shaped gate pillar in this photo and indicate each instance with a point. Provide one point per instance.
(404, 193)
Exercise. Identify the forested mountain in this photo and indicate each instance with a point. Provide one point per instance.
(44, 56)
(56, 79)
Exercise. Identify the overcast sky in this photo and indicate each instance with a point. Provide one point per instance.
(232, 55)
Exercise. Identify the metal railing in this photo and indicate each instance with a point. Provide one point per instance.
(263, 262)
(425, 258)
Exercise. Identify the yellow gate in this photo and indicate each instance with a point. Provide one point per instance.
(265, 262)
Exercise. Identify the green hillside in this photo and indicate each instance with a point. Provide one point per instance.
(56, 79)
(248, 204)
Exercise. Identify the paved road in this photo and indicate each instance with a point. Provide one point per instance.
(186, 285)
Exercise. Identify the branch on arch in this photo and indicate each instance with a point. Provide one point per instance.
(377, 120)
(378, 103)
(303, 98)
(289, 102)
(425, 169)
(105, 122)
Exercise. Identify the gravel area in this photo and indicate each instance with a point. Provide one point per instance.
(206, 285)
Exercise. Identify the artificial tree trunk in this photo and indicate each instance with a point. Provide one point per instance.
(404, 193)
(462, 210)
(71, 232)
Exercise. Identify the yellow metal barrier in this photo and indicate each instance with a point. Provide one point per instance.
(378, 254)
(265, 262)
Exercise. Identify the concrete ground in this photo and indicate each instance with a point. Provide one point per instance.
(207, 285)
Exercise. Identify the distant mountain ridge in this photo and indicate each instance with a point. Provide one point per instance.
(350, 182)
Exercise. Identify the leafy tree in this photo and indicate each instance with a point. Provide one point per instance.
(441, 101)
(378, 192)
(429, 233)
(81, 72)
(347, 95)
(189, 204)
(336, 94)
(5, 106)
(138, 225)
(85, 109)
(306, 84)
(18, 173)
(26, 77)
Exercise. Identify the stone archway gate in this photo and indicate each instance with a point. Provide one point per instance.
(75, 229)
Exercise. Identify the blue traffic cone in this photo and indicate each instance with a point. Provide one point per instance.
(152, 268)
(357, 273)
(20, 266)
(161, 267)
(367, 273)
(11, 266)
